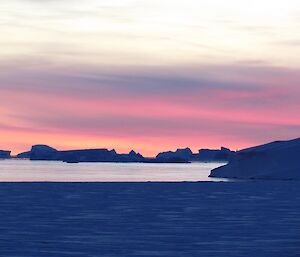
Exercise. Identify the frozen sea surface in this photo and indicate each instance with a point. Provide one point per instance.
(209, 219)
(40, 171)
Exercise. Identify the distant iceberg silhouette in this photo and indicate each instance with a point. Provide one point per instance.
(47, 153)
(4, 154)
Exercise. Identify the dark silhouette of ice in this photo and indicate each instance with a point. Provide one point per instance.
(276, 160)
(44, 152)
(5, 154)
(204, 155)
(224, 154)
(179, 155)
(47, 153)
(24, 155)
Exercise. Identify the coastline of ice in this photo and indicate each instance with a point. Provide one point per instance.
(277, 160)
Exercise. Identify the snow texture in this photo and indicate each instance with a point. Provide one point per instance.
(209, 219)
(276, 160)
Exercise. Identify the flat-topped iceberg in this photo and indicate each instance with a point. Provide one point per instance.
(4, 154)
(276, 160)
(204, 155)
(47, 153)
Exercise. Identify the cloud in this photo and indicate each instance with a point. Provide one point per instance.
(235, 76)
(235, 85)
(234, 100)
(291, 42)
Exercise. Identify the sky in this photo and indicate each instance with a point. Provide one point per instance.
(148, 75)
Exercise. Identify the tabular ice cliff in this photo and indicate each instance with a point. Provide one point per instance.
(98, 155)
(44, 152)
(223, 154)
(204, 155)
(4, 154)
(47, 153)
(181, 155)
(276, 160)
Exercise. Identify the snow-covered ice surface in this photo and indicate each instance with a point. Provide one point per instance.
(276, 160)
(209, 219)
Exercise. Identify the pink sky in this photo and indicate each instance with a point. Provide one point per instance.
(135, 80)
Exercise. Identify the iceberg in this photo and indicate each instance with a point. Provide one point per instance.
(276, 160)
(4, 154)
